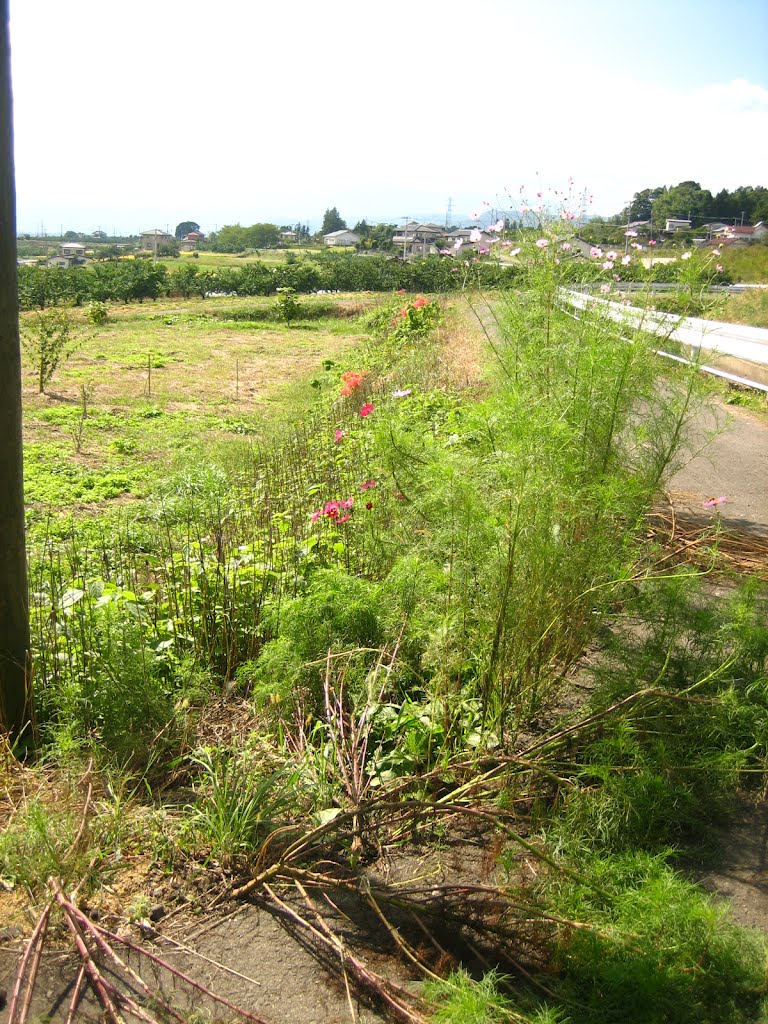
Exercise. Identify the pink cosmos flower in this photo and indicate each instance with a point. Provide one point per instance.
(498, 226)
(404, 392)
(343, 519)
(652, 242)
(596, 252)
(368, 485)
(515, 252)
(686, 256)
(454, 270)
(557, 261)
(625, 260)
(604, 288)
(719, 268)
(611, 255)
(366, 410)
(483, 252)
(401, 291)
(347, 504)
(339, 436)
(566, 246)
(608, 265)
(316, 514)
(631, 234)
(542, 243)
(715, 252)
(475, 215)
(711, 502)
(445, 252)
(475, 235)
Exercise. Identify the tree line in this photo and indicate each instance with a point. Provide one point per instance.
(136, 280)
(747, 204)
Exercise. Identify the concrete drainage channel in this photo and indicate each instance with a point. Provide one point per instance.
(737, 353)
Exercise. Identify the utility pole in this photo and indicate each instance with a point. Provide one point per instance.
(15, 696)
(449, 213)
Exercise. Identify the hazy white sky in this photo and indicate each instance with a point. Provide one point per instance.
(142, 114)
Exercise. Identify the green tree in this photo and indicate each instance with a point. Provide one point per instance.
(15, 702)
(47, 341)
(183, 229)
(263, 236)
(642, 204)
(686, 200)
(231, 238)
(332, 221)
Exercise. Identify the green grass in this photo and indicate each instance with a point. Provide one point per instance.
(217, 260)
(747, 263)
(748, 307)
(167, 381)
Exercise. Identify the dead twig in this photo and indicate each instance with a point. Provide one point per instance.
(31, 953)
(395, 998)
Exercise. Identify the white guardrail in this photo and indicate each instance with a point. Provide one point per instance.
(735, 340)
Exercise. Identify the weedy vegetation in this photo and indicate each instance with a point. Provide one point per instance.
(305, 642)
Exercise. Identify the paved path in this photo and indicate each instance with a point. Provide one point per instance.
(734, 465)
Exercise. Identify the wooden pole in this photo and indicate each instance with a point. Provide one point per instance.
(15, 709)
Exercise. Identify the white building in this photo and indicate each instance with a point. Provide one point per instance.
(342, 237)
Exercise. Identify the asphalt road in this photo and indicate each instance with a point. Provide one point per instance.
(733, 465)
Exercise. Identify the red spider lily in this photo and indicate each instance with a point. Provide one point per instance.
(420, 302)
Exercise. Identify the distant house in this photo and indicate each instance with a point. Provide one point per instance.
(673, 224)
(154, 239)
(99, 235)
(190, 241)
(415, 239)
(70, 254)
(73, 249)
(744, 233)
(342, 237)
(464, 235)
(289, 236)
